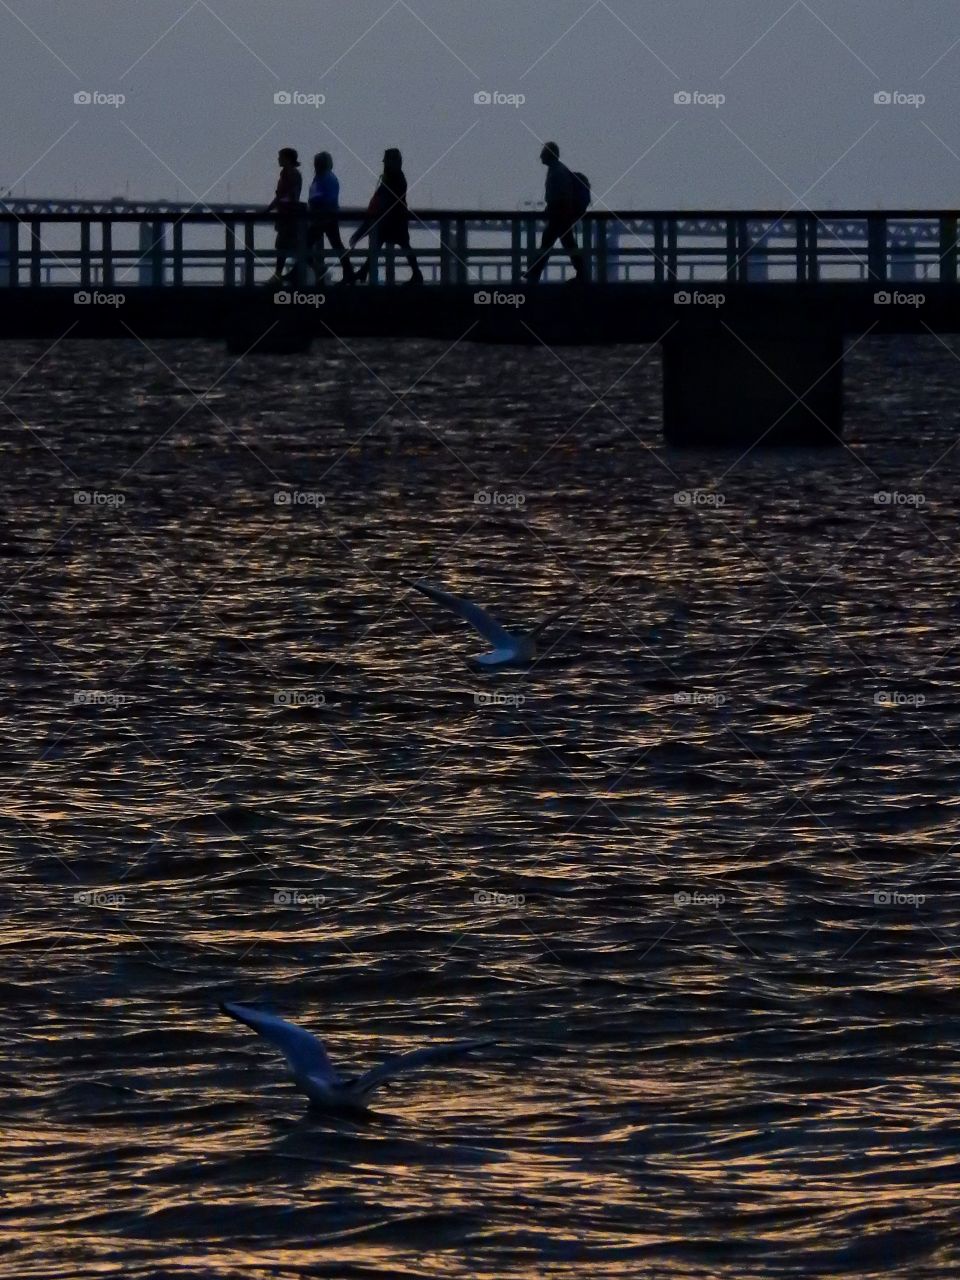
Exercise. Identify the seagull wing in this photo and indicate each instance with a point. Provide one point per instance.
(402, 1063)
(303, 1051)
(542, 626)
(478, 618)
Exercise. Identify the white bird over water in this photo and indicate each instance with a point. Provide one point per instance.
(315, 1075)
(510, 648)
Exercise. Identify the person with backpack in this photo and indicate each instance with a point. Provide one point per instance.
(324, 205)
(567, 198)
(388, 219)
(286, 204)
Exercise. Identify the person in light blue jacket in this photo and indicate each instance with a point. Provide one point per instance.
(324, 204)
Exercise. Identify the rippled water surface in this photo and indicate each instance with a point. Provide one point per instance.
(242, 761)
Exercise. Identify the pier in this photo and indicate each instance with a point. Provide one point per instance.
(751, 308)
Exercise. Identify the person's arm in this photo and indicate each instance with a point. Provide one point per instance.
(370, 217)
(275, 202)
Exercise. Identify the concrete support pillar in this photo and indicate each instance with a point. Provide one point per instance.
(724, 391)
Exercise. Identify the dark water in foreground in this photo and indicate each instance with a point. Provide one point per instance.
(760, 1077)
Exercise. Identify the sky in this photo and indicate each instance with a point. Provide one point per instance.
(777, 103)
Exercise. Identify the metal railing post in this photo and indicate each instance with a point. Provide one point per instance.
(948, 249)
(516, 248)
(230, 251)
(178, 254)
(36, 246)
(732, 243)
(106, 252)
(601, 228)
(249, 255)
(877, 246)
(671, 249)
(86, 267)
(460, 266)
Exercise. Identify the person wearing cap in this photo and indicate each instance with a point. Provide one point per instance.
(286, 205)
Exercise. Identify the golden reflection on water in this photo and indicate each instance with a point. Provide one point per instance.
(655, 881)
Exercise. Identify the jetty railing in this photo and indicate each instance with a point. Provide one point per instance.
(117, 246)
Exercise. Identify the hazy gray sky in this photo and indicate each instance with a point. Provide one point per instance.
(600, 76)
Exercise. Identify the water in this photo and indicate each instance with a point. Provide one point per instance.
(268, 775)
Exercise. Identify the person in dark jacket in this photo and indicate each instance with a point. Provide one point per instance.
(561, 215)
(286, 205)
(388, 218)
(324, 204)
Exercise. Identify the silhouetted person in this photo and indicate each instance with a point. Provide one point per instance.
(324, 203)
(286, 203)
(388, 218)
(563, 211)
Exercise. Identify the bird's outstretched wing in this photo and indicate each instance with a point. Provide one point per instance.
(303, 1051)
(403, 1063)
(567, 608)
(478, 618)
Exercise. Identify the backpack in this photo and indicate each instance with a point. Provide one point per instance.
(580, 193)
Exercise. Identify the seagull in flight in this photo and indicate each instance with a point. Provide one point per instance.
(510, 648)
(315, 1075)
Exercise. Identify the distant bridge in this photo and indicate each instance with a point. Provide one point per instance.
(750, 306)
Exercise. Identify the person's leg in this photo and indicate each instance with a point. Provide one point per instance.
(343, 255)
(316, 250)
(286, 247)
(416, 275)
(550, 234)
(373, 255)
(569, 242)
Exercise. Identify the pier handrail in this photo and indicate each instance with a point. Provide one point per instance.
(74, 243)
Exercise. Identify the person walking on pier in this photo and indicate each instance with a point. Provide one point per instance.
(566, 197)
(324, 204)
(388, 218)
(286, 204)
